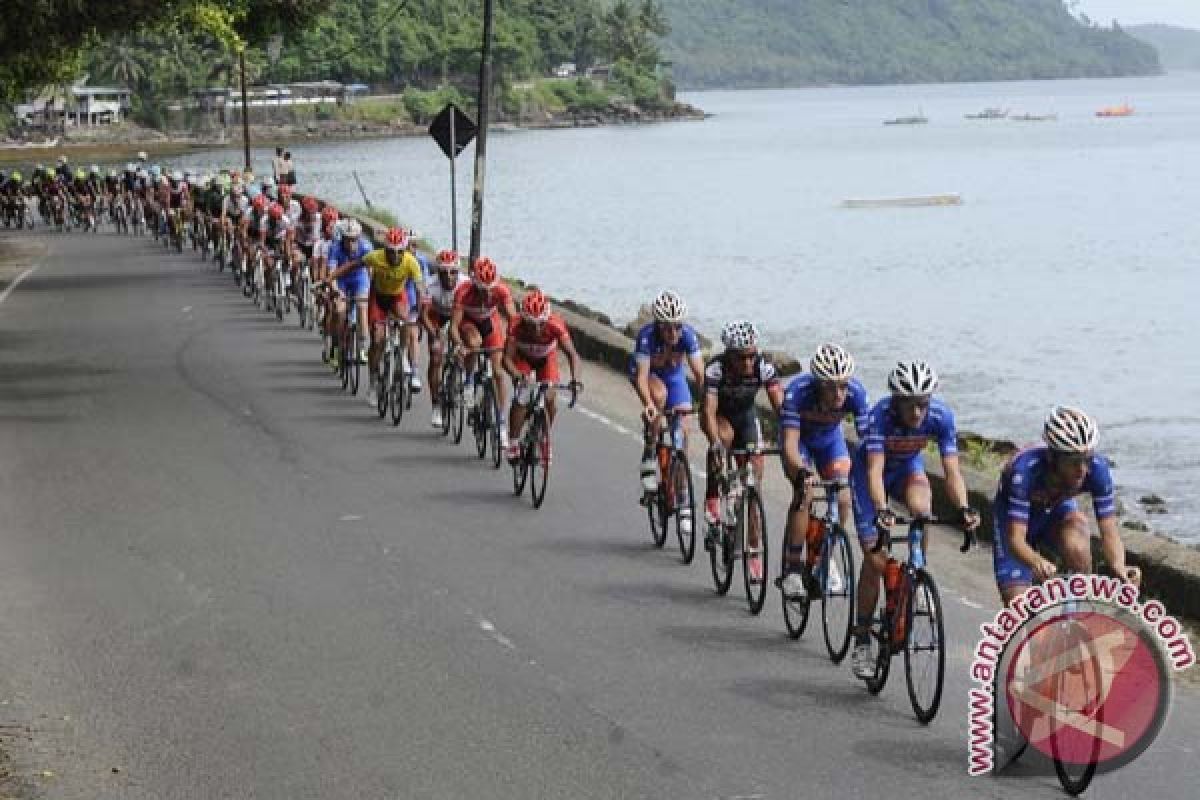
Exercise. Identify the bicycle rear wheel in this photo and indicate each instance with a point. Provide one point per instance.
(837, 593)
(483, 418)
(924, 647)
(457, 406)
(539, 462)
(520, 467)
(494, 435)
(753, 516)
(684, 507)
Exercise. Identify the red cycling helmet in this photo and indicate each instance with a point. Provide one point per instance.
(484, 275)
(310, 205)
(534, 307)
(276, 211)
(259, 202)
(329, 214)
(396, 239)
(447, 259)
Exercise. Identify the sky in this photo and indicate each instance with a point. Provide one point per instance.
(1130, 12)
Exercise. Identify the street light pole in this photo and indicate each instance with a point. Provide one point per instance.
(485, 102)
(245, 107)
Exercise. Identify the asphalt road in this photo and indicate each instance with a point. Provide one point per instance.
(225, 578)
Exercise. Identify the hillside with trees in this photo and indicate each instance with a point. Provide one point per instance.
(738, 43)
(1178, 48)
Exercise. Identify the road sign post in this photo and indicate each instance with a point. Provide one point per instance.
(453, 131)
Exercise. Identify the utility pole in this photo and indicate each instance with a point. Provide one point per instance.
(245, 107)
(485, 102)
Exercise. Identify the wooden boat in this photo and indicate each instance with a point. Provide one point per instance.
(917, 119)
(990, 113)
(1123, 110)
(920, 201)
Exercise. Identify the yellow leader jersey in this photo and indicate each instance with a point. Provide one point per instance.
(390, 280)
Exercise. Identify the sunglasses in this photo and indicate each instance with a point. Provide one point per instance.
(916, 402)
(838, 385)
(672, 326)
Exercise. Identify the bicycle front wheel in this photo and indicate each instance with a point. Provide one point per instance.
(924, 647)
(483, 418)
(457, 405)
(837, 593)
(397, 397)
(520, 467)
(355, 362)
(494, 435)
(1075, 769)
(539, 460)
(751, 520)
(383, 392)
(684, 507)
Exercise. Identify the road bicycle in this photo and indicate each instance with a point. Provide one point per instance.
(484, 414)
(828, 572)
(394, 389)
(912, 620)
(673, 498)
(741, 513)
(532, 464)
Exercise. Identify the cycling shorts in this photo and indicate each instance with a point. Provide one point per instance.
(545, 369)
(746, 428)
(381, 305)
(679, 394)
(1043, 530)
(489, 331)
(830, 458)
(896, 478)
(356, 284)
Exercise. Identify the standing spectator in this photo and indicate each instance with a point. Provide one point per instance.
(277, 165)
(289, 170)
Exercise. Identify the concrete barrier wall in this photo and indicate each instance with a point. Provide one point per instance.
(1171, 571)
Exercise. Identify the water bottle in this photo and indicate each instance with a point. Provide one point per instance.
(916, 555)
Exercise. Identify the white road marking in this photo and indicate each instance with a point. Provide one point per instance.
(491, 631)
(621, 429)
(970, 603)
(350, 517)
(16, 282)
(186, 309)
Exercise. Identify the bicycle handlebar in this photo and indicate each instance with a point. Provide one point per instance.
(969, 539)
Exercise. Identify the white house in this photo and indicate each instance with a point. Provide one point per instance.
(87, 105)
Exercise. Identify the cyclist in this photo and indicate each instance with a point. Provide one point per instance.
(658, 375)
(1035, 505)
(474, 325)
(887, 465)
(275, 236)
(814, 406)
(435, 315)
(291, 206)
(353, 281)
(729, 417)
(396, 286)
(532, 346)
(320, 273)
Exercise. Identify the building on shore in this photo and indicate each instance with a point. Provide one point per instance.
(78, 105)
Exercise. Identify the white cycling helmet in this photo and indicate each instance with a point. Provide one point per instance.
(352, 229)
(142, 155)
(177, 176)
(669, 307)
(739, 335)
(1069, 430)
(913, 379)
(831, 363)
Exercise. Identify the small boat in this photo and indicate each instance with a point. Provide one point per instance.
(1123, 110)
(920, 201)
(990, 113)
(917, 119)
(1035, 117)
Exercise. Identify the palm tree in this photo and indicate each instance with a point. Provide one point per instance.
(123, 63)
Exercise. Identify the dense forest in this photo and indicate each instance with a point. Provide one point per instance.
(430, 45)
(1178, 48)
(804, 42)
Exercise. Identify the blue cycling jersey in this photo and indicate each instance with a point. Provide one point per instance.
(338, 253)
(886, 433)
(801, 410)
(1025, 493)
(663, 360)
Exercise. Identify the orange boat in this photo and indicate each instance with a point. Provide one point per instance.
(1123, 110)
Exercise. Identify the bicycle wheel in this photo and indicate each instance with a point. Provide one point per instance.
(753, 515)
(1075, 773)
(494, 436)
(458, 406)
(658, 513)
(445, 396)
(720, 557)
(795, 609)
(400, 392)
(344, 358)
(881, 632)
(280, 296)
(383, 392)
(355, 361)
(837, 593)
(924, 647)
(483, 418)
(685, 507)
(520, 467)
(539, 462)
